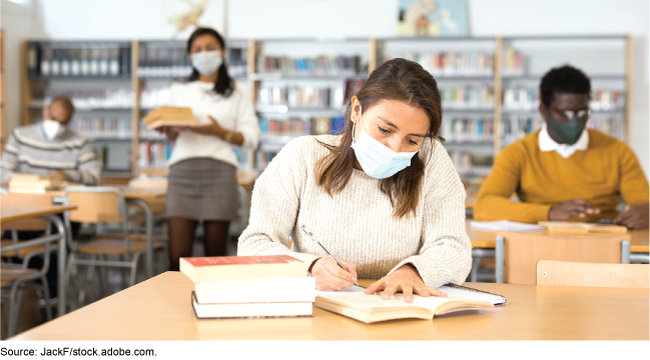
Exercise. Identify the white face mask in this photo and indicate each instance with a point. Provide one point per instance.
(207, 62)
(52, 129)
(377, 160)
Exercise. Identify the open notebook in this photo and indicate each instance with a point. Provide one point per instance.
(353, 303)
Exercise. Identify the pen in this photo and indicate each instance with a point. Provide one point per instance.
(312, 236)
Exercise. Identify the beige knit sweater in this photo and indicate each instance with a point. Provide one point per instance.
(357, 224)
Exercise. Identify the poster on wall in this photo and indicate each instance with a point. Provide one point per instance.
(432, 18)
(184, 16)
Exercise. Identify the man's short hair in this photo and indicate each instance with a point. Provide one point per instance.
(564, 79)
(66, 103)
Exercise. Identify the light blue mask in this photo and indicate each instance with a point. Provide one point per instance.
(375, 158)
(207, 62)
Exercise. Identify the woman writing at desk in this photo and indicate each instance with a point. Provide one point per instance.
(383, 197)
(203, 165)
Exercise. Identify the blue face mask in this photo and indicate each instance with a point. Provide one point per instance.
(375, 158)
(207, 62)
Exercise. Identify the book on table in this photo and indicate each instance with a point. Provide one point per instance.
(241, 267)
(577, 228)
(35, 184)
(353, 303)
(249, 286)
(251, 309)
(170, 116)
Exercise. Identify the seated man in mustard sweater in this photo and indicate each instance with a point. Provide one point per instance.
(564, 171)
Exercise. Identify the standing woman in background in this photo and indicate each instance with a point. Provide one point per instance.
(203, 166)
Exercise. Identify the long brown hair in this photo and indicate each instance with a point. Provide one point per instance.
(401, 80)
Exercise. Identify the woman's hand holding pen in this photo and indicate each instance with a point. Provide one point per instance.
(330, 277)
(405, 279)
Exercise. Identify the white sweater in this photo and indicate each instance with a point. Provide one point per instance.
(357, 224)
(235, 113)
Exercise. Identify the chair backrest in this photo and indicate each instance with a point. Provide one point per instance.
(522, 251)
(15, 200)
(102, 204)
(566, 273)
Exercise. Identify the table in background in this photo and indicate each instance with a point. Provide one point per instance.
(639, 239)
(159, 309)
(8, 214)
(139, 197)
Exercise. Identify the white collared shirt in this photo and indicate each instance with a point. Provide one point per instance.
(546, 143)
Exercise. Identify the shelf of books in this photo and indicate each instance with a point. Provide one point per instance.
(301, 87)
(489, 87)
(113, 84)
(3, 107)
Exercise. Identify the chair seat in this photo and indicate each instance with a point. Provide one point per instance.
(9, 274)
(24, 251)
(111, 245)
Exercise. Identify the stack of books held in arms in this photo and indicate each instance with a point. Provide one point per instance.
(35, 184)
(249, 286)
(169, 116)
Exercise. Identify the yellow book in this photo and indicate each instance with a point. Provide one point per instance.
(169, 116)
(577, 228)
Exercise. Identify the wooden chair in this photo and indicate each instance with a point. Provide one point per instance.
(517, 253)
(16, 277)
(98, 205)
(565, 273)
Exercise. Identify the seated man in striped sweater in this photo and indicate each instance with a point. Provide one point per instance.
(50, 148)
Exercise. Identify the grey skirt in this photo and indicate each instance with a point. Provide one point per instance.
(202, 189)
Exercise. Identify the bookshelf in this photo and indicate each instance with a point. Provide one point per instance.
(476, 131)
(3, 89)
(300, 86)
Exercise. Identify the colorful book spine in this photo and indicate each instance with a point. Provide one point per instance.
(471, 63)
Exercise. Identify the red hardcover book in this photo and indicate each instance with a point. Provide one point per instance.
(242, 267)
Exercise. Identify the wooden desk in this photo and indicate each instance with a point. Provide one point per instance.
(639, 239)
(159, 309)
(8, 214)
(127, 191)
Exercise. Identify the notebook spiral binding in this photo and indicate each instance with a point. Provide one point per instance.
(464, 288)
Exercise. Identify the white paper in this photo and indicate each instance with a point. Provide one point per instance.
(505, 225)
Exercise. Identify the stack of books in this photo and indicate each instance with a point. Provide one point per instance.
(33, 184)
(169, 116)
(249, 286)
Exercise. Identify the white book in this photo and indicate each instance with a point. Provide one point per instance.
(259, 290)
(245, 310)
(505, 225)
